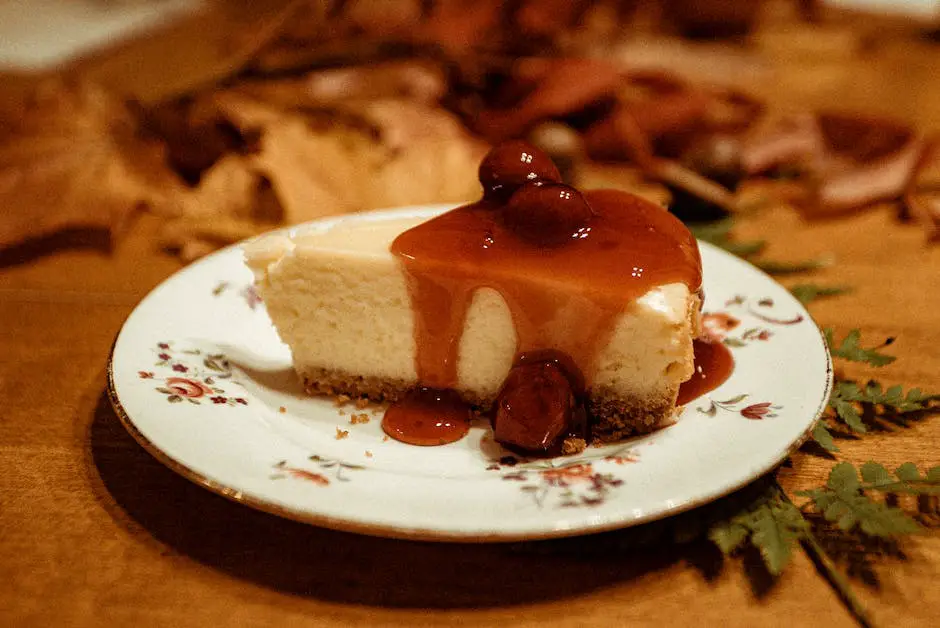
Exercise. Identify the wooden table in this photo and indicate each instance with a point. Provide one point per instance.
(95, 532)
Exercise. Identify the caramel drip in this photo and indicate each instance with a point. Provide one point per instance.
(427, 417)
(713, 366)
(565, 297)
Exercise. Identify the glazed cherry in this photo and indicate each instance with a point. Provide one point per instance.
(510, 165)
(535, 407)
(550, 214)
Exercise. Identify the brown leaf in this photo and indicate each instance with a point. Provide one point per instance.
(561, 87)
(883, 178)
(851, 160)
(73, 158)
(782, 141)
(397, 153)
(415, 80)
(196, 134)
(311, 162)
(233, 201)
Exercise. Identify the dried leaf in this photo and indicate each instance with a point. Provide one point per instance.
(231, 202)
(413, 80)
(559, 87)
(74, 158)
(421, 155)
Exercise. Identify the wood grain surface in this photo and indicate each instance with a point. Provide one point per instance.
(95, 532)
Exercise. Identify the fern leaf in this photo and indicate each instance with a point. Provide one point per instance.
(849, 414)
(808, 292)
(849, 349)
(728, 536)
(823, 436)
(843, 477)
(909, 480)
(774, 267)
(776, 527)
(875, 474)
(842, 502)
(907, 472)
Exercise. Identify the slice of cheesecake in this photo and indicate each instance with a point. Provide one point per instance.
(339, 299)
(604, 287)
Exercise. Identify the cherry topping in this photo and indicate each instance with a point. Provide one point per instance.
(535, 407)
(512, 164)
(549, 214)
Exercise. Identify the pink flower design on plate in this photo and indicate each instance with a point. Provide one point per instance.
(757, 411)
(564, 475)
(716, 325)
(626, 459)
(309, 476)
(754, 411)
(189, 388)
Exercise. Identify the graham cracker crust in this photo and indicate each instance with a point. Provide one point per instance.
(613, 418)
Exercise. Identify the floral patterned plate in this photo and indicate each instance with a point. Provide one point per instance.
(200, 378)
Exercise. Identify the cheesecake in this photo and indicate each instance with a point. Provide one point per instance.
(568, 317)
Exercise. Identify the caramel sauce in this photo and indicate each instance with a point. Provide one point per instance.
(427, 417)
(713, 365)
(564, 297)
(567, 265)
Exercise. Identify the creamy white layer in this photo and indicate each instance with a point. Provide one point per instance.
(339, 299)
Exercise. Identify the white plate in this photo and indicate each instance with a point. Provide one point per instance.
(200, 378)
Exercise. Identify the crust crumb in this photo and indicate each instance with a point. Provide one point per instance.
(282, 409)
(573, 446)
(358, 419)
(362, 403)
(341, 400)
(385, 439)
(368, 454)
(341, 434)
